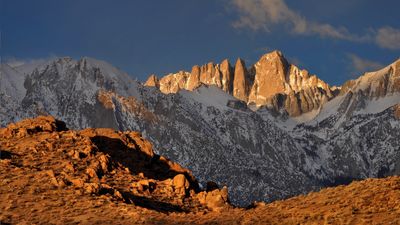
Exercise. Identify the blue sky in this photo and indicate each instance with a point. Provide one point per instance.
(337, 40)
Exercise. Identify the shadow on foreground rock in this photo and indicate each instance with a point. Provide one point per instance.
(148, 203)
(143, 161)
(5, 154)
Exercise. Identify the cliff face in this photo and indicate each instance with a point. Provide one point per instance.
(241, 81)
(270, 78)
(227, 76)
(272, 82)
(281, 85)
(152, 81)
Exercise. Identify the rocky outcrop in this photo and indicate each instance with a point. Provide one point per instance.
(152, 81)
(219, 75)
(194, 78)
(272, 82)
(241, 81)
(216, 199)
(280, 85)
(172, 83)
(102, 163)
(208, 74)
(180, 184)
(227, 76)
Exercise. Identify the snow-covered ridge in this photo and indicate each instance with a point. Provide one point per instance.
(373, 79)
(208, 96)
(11, 82)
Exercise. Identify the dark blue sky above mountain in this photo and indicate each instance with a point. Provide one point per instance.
(337, 40)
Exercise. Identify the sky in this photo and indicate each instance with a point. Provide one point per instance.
(336, 40)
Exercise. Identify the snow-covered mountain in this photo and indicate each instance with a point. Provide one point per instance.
(12, 89)
(260, 152)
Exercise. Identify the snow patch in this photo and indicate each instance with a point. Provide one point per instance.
(208, 96)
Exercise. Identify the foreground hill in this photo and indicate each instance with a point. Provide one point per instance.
(52, 175)
(48, 172)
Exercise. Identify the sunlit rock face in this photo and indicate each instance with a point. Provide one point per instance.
(271, 82)
(241, 81)
(227, 76)
(280, 85)
(152, 81)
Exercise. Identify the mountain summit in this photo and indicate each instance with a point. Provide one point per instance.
(272, 82)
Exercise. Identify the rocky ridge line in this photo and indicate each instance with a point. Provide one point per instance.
(272, 82)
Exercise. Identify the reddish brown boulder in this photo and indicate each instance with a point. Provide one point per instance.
(215, 200)
(181, 184)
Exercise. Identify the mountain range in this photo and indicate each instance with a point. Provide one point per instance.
(268, 131)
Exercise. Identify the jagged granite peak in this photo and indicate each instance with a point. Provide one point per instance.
(207, 73)
(272, 82)
(270, 78)
(241, 81)
(152, 81)
(172, 83)
(227, 76)
(220, 75)
(194, 78)
(281, 85)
